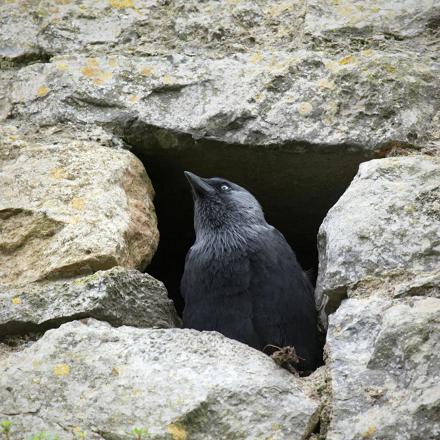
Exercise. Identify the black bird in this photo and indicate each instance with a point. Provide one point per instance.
(242, 278)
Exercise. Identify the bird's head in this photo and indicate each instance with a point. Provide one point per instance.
(223, 205)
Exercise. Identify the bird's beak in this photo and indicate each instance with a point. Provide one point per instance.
(198, 184)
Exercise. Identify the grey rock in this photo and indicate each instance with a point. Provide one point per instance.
(240, 72)
(179, 384)
(399, 19)
(380, 248)
(384, 360)
(383, 234)
(149, 27)
(119, 296)
(257, 98)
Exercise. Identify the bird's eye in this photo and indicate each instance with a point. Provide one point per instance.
(225, 187)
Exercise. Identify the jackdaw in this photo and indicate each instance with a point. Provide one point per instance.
(242, 278)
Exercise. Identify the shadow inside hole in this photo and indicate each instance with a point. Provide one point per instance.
(295, 184)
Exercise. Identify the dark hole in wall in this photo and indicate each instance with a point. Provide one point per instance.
(296, 185)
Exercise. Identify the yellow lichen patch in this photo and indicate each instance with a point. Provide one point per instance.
(112, 62)
(74, 220)
(63, 66)
(133, 98)
(259, 97)
(276, 67)
(136, 392)
(78, 203)
(375, 10)
(121, 4)
(115, 371)
(42, 91)
(90, 71)
(333, 66)
(53, 9)
(350, 59)
(276, 10)
(324, 83)
(367, 52)
(179, 401)
(16, 300)
(78, 433)
(257, 57)
(93, 62)
(102, 78)
(305, 108)
(57, 173)
(369, 432)
(167, 79)
(389, 68)
(82, 282)
(147, 71)
(177, 431)
(61, 370)
(345, 10)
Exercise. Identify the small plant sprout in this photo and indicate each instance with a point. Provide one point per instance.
(78, 434)
(44, 436)
(5, 426)
(140, 433)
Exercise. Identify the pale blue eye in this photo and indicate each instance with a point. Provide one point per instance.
(225, 187)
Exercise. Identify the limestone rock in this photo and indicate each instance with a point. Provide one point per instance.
(256, 98)
(266, 72)
(72, 208)
(401, 19)
(119, 296)
(146, 27)
(385, 369)
(383, 233)
(180, 384)
(380, 247)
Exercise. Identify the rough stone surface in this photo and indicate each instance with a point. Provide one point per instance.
(384, 360)
(334, 73)
(367, 99)
(119, 296)
(71, 208)
(178, 384)
(380, 247)
(355, 78)
(402, 21)
(384, 232)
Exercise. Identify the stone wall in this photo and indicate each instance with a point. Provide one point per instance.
(90, 346)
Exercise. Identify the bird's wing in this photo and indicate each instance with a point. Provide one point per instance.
(186, 281)
(217, 295)
(283, 305)
(209, 276)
